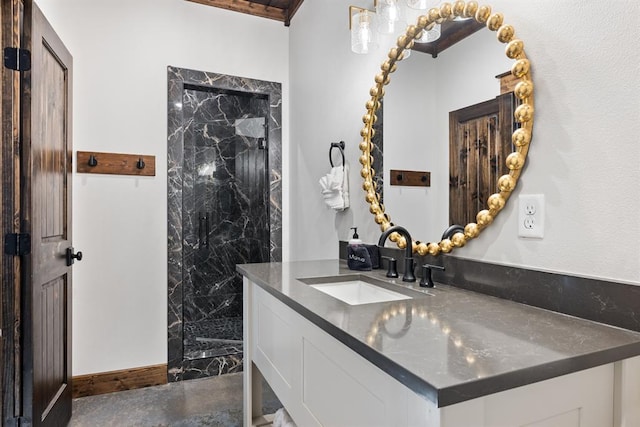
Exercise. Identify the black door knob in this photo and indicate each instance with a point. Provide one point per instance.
(71, 256)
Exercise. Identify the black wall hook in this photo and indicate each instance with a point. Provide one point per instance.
(92, 161)
(340, 146)
(140, 163)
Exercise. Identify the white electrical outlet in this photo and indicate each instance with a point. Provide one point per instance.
(531, 215)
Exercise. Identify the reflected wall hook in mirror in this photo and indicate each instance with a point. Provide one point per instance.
(340, 145)
(410, 178)
(140, 163)
(93, 162)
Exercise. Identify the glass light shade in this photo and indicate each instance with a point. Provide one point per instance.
(429, 36)
(418, 4)
(411, 15)
(388, 13)
(363, 32)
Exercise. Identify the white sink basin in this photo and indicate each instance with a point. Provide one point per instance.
(356, 292)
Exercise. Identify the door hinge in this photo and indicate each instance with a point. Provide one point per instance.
(17, 59)
(17, 244)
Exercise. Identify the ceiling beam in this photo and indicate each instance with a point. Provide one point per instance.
(452, 33)
(245, 6)
(293, 8)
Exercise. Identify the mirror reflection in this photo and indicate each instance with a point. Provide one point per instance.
(417, 105)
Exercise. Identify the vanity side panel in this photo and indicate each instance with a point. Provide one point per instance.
(464, 414)
(276, 345)
(422, 412)
(581, 399)
(251, 393)
(627, 393)
(277, 348)
(585, 397)
(568, 419)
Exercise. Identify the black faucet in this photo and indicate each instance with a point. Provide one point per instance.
(409, 275)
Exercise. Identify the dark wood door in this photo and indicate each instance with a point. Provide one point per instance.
(47, 154)
(479, 143)
(11, 24)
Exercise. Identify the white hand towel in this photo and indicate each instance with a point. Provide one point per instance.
(277, 418)
(333, 199)
(283, 419)
(287, 421)
(335, 178)
(335, 188)
(345, 187)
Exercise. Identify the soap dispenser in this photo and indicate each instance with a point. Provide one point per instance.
(358, 257)
(355, 239)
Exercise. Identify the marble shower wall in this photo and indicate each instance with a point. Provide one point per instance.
(224, 208)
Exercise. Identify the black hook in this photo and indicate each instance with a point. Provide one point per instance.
(92, 161)
(140, 163)
(340, 146)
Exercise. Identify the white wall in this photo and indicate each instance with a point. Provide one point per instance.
(121, 50)
(584, 156)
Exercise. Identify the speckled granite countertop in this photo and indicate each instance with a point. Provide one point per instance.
(448, 345)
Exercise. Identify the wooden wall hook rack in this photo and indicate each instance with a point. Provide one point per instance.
(410, 178)
(116, 163)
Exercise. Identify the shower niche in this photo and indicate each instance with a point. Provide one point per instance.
(224, 168)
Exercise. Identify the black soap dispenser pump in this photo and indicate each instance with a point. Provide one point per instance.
(355, 239)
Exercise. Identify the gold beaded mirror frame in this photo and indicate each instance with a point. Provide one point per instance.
(521, 137)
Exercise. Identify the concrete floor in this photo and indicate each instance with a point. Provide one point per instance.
(214, 401)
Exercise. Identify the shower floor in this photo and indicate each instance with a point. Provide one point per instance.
(212, 338)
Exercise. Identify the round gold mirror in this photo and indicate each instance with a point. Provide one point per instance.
(521, 137)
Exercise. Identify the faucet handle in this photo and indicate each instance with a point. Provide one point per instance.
(392, 269)
(426, 281)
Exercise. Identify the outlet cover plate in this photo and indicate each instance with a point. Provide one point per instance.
(531, 216)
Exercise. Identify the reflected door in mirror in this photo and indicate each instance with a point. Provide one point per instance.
(479, 143)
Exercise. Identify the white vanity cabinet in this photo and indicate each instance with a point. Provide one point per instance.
(318, 380)
(322, 382)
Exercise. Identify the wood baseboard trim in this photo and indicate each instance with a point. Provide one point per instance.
(126, 379)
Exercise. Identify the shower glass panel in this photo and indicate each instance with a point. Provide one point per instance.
(225, 214)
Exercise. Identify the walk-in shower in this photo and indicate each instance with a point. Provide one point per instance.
(224, 209)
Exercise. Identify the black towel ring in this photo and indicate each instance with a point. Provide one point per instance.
(340, 146)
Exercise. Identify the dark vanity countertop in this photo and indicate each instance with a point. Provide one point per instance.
(450, 345)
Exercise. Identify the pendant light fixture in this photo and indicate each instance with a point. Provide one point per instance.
(362, 25)
(389, 14)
